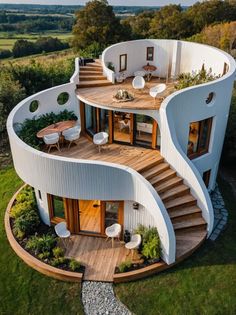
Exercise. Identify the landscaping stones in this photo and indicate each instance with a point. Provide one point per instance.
(220, 213)
(98, 299)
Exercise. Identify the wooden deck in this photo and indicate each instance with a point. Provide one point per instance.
(134, 157)
(97, 255)
(103, 95)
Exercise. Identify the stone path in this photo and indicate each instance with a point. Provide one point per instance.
(221, 214)
(98, 299)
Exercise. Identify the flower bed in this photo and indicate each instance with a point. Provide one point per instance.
(38, 239)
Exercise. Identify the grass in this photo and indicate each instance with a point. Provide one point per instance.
(22, 289)
(203, 284)
(7, 41)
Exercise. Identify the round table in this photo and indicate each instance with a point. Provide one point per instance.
(57, 127)
(149, 69)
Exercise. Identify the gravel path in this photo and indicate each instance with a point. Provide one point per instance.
(98, 299)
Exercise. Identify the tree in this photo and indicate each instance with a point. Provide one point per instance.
(96, 23)
(22, 48)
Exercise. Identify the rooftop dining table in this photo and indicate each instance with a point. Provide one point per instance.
(149, 69)
(57, 127)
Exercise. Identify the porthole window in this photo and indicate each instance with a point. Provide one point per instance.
(210, 98)
(63, 98)
(34, 105)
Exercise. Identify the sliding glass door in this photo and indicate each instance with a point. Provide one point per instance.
(122, 127)
(143, 130)
(90, 119)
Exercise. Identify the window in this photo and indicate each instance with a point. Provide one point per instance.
(63, 98)
(150, 53)
(40, 195)
(123, 62)
(56, 208)
(206, 177)
(199, 137)
(210, 98)
(34, 105)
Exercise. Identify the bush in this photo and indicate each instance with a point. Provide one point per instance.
(125, 266)
(30, 127)
(44, 255)
(41, 244)
(26, 224)
(26, 194)
(150, 246)
(21, 208)
(199, 77)
(55, 262)
(74, 265)
(58, 252)
(5, 53)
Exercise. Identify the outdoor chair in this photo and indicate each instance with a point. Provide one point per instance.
(72, 134)
(113, 232)
(155, 90)
(62, 232)
(52, 140)
(138, 83)
(134, 243)
(100, 139)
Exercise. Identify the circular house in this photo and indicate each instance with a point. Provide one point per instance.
(145, 150)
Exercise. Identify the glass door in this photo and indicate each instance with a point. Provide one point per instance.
(113, 212)
(143, 130)
(90, 119)
(122, 127)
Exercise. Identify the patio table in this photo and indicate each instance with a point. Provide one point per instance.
(149, 69)
(58, 127)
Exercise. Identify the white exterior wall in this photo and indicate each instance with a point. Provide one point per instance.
(132, 217)
(43, 206)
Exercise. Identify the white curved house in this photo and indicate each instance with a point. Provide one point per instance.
(163, 155)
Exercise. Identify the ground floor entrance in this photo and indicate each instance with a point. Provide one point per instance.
(89, 217)
(122, 127)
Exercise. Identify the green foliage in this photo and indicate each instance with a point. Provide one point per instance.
(58, 252)
(30, 127)
(189, 79)
(20, 208)
(5, 53)
(124, 266)
(151, 247)
(56, 262)
(26, 223)
(44, 255)
(74, 265)
(41, 244)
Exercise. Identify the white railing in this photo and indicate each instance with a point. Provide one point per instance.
(108, 73)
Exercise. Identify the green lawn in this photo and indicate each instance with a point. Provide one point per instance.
(203, 284)
(24, 291)
(7, 42)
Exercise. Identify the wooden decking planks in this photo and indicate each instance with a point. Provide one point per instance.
(142, 100)
(134, 157)
(97, 255)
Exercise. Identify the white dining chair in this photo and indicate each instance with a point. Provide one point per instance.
(62, 232)
(113, 232)
(52, 140)
(138, 83)
(72, 134)
(157, 89)
(100, 139)
(134, 243)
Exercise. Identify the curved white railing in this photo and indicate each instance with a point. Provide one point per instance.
(172, 111)
(108, 73)
(75, 77)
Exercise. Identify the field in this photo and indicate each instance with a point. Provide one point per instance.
(7, 40)
(22, 289)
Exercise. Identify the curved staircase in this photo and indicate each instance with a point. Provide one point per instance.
(91, 75)
(189, 226)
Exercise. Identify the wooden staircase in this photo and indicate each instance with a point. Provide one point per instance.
(185, 215)
(91, 75)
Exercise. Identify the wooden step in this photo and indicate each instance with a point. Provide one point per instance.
(147, 164)
(184, 211)
(166, 175)
(87, 84)
(91, 77)
(175, 192)
(180, 202)
(89, 68)
(155, 170)
(187, 217)
(175, 181)
(189, 224)
(91, 73)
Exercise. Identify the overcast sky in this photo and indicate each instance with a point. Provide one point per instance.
(112, 2)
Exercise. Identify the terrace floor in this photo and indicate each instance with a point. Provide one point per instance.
(134, 157)
(97, 255)
(103, 95)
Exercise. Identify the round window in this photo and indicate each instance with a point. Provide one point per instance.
(34, 105)
(210, 97)
(63, 98)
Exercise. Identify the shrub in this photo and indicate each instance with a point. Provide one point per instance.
(26, 194)
(124, 266)
(198, 77)
(74, 265)
(26, 224)
(20, 209)
(58, 252)
(44, 255)
(41, 244)
(55, 262)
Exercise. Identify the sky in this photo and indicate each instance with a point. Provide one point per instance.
(112, 2)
